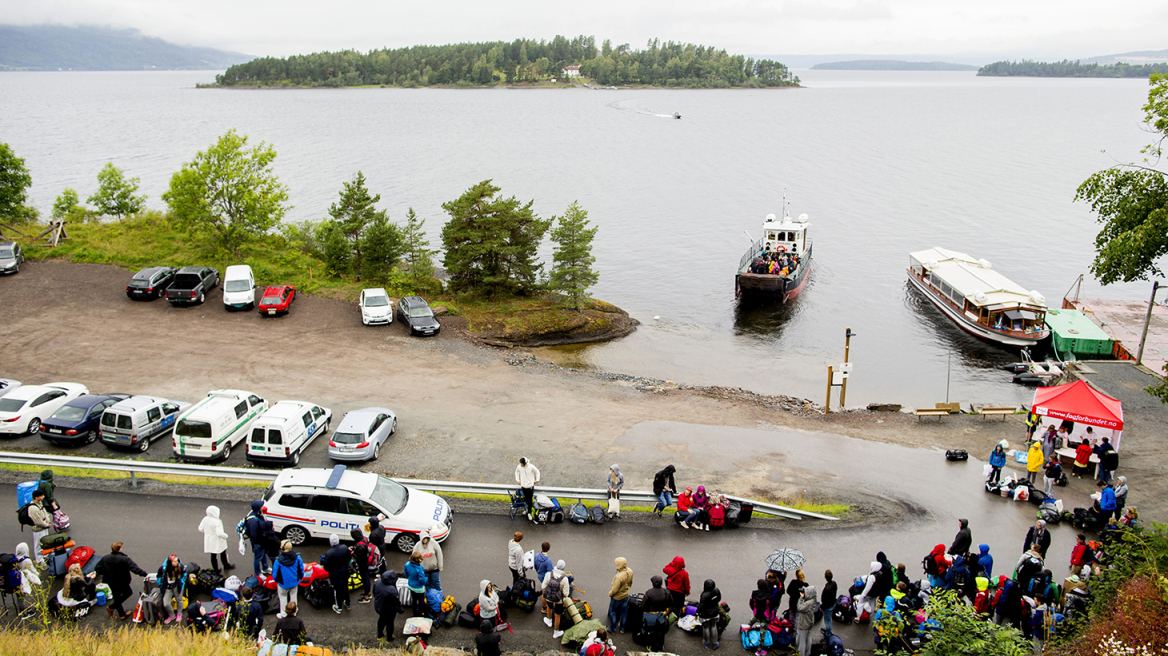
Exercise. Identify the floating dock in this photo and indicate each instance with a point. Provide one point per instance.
(1123, 323)
(1072, 332)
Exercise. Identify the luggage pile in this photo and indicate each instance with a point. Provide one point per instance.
(547, 510)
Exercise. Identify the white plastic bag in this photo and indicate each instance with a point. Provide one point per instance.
(242, 550)
(987, 470)
(529, 560)
(1058, 505)
(1021, 493)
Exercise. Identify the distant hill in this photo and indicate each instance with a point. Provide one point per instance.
(891, 65)
(1068, 68)
(1138, 57)
(91, 48)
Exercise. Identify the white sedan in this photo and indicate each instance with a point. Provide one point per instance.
(23, 409)
(376, 308)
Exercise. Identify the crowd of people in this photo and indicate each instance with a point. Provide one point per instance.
(777, 262)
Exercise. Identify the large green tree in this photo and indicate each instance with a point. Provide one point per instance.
(115, 193)
(572, 260)
(1131, 201)
(419, 257)
(14, 183)
(229, 191)
(491, 242)
(382, 245)
(352, 213)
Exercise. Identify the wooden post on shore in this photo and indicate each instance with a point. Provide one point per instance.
(827, 404)
(847, 347)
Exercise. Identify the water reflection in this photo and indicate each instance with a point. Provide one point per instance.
(970, 351)
(754, 317)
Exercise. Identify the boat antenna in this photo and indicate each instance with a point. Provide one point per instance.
(786, 209)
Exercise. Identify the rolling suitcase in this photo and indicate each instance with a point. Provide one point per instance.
(635, 614)
(58, 561)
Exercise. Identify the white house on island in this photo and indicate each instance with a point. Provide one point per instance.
(572, 71)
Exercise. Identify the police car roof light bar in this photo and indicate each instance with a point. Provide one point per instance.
(334, 478)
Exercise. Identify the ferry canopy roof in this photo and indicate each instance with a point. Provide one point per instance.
(975, 280)
(1080, 403)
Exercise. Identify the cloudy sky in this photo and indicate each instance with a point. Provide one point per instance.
(1042, 28)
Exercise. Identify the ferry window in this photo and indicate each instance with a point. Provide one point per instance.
(790, 236)
(770, 235)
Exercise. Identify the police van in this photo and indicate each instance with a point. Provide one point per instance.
(135, 422)
(285, 430)
(209, 428)
(314, 503)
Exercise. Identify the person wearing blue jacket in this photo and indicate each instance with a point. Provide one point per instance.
(254, 526)
(985, 560)
(543, 562)
(416, 582)
(288, 570)
(1107, 500)
(997, 461)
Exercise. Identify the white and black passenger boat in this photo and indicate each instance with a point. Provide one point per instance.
(777, 265)
(977, 298)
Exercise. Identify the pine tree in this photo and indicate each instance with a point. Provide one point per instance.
(337, 250)
(491, 243)
(352, 213)
(383, 246)
(419, 257)
(572, 260)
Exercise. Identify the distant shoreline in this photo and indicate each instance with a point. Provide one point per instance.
(891, 65)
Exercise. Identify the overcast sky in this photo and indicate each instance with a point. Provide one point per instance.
(1046, 28)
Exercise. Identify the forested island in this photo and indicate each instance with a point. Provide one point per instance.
(519, 62)
(1068, 68)
(891, 65)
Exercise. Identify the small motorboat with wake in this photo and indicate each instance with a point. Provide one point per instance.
(676, 114)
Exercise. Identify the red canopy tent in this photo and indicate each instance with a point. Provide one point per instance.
(1082, 404)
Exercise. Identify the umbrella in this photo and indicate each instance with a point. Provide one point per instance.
(785, 560)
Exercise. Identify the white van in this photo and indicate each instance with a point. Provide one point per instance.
(238, 288)
(285, 430)
(208, 429)
(135, 422)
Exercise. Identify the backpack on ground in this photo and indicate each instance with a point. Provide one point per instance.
(448, 604)
(467, 620)
(578, 513)
(598, 516)
(717, 515)
(834, 646)
(957, 454)
(732, 514)
(783, 630)
(755, 637)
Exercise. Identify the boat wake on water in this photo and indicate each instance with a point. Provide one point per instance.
(619, 105)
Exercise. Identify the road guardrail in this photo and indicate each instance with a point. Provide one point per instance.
(134, 467)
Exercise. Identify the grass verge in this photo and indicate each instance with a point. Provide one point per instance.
(110, 474)
(70, 640)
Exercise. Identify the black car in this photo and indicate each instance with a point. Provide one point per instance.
(151, 282)
(11, 257)
(191, 284)
(76, 422)
(416, 314)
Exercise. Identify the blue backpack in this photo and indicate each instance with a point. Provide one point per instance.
(834, 646)
(755, 637)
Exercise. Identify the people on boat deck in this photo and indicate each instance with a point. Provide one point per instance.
(774, 262)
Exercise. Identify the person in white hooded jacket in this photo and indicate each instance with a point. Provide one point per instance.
(863, 599)
(489, 603)
(215, 538)
(28, 571)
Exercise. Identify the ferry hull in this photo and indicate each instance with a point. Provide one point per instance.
(767, 286)
(972, 327)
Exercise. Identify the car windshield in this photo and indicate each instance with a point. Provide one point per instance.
(6, 253)
(187, 281)
(188, 428)
(376, 301)
(389, 495)
(348, 438)
(11, 405)
(270, 300)
(236, 286)
(419, 312)
(69, 413)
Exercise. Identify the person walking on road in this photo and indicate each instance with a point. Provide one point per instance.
(708, 613)
(214, 538)
(808, 604)
(336, 563)
(253, 526)
(387, 604)
(515, 558)
(615, 481)
(1051, 474)
(115, 570)
(288, 570)
(962, 541)
(827, 601)
(677, 583)
(431, 553)
(290, 629)
(997, 461)
(1034, 462)
(618, 596)
(556, 590)
(42, 523)
(527, 476)
(664, 488)
(48, 488)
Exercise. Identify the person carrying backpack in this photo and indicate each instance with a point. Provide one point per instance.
(115, 569)
(1029, 565)
(253, 526)
(557, 589)
(957, 578)
(287, 569)
(42, 522)
(214, 538)
(598, 644)
(1051, 475)
(1081, 555)
(48, 488)
(362, 552)
(386, 603)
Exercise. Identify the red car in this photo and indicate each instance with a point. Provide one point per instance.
(277, 299)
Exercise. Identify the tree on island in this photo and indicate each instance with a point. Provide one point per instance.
(491, 243)
(1131, 201)
(115, 193)
(14, 183)
(419, 257)
(572, 260)
(229, 191)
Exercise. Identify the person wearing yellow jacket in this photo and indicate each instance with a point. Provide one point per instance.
(1034, 462)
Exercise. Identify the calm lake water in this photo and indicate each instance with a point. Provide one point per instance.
(883, 162)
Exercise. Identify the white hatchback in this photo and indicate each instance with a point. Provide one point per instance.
(376, 308)
(23, 409)
(314, 503)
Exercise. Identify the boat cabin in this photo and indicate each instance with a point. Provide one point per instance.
(787, 235)
(977, 291)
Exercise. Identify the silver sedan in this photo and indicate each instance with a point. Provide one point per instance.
(361, 434)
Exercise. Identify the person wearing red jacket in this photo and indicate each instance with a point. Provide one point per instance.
(677, 582)
(1081, 555)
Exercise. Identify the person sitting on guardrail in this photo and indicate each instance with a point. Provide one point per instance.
(664, 487)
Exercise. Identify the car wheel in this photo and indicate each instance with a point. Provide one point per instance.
(376, 451)
(295, 458)
(201, 296)
(34, 426)
(226, 452)
(393, 428)
(144, 445)
(405, 542)
(298, 536)
(90, 437)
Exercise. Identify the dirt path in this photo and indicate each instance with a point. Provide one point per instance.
(465, 412)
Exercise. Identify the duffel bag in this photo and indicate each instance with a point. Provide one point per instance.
(467, 620)
(1037, 496)
(54, 541)
(957, 454)
(208, 579)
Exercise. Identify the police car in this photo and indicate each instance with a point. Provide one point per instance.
(313, 503)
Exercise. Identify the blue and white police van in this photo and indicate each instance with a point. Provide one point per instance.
(313, 503)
